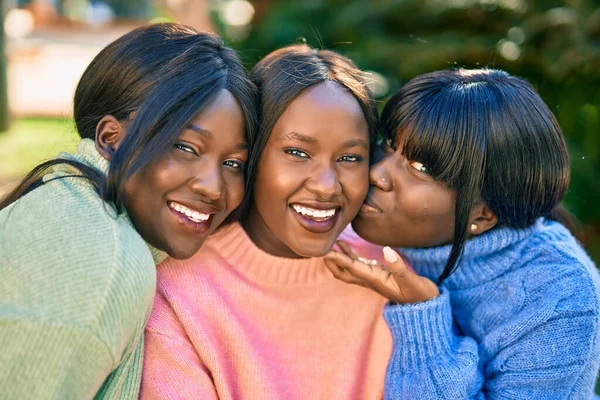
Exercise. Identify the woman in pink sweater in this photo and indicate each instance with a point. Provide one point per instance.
(256, 314)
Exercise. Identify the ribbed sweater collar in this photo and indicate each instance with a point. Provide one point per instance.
(88, 155)
(485, 257)
(236, 247)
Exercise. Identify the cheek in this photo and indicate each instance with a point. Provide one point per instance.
(275, 183)
(162, 176)
(420, 204)
(436, 209)
(355, 184)
(146, 187)
(235, 191)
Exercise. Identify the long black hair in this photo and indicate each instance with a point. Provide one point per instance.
(285, 73)
(489, 137)
(163, 74)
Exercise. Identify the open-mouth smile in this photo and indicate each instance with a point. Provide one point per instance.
(316, 220)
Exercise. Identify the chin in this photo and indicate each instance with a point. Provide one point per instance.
(313, 250)
(182, 254)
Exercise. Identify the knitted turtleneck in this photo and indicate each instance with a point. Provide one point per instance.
(235, 322)
(519, 318)
(76, 288)
(484, 258)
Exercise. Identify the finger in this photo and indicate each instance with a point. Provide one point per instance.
(356, 268)
(342, 274)
(396, 265)
(372, 276)
(366, 272)
(345, 247)
(411, 286)
(378, 278)
(340, 259)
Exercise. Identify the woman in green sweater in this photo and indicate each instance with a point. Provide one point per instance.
(166, 116)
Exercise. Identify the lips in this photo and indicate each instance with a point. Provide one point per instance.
(369, 206)
(316, 217)
(194, 219)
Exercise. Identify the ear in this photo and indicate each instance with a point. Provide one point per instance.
(109, 134)
(482, 219)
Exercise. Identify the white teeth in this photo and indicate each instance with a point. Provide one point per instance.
(191, 214)
(311, 212)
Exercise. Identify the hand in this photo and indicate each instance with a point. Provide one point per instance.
(394, 280)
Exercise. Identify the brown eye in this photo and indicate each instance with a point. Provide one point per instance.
(234, 164)
(296, 153)
(184, 148)
(350, 158)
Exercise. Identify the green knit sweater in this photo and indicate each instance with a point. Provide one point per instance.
(76, 288)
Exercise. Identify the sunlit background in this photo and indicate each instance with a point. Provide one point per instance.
(554, 44)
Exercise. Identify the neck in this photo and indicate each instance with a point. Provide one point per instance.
(89, 155)
(260, 234)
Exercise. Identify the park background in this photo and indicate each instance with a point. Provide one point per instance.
(555, 44)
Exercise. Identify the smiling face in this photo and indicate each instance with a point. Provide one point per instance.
(313, 174)
(405, 207)
(177, 202)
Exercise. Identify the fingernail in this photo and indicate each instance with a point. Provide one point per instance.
(390, 255)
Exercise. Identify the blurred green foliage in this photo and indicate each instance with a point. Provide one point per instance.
(553, 44)
(31, 141)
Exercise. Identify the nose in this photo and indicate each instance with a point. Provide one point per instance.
(380, 177)
(208, 182)
(324, 183)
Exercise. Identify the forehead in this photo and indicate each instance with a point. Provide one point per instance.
(323, 108)
(223, 114)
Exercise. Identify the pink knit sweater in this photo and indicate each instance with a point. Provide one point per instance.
(234, 322)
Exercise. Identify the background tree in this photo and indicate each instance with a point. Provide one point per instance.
(553, 44)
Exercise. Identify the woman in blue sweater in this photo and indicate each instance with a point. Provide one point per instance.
(500, 300)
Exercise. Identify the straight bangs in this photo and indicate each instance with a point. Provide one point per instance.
(442, 121)
(437, 130)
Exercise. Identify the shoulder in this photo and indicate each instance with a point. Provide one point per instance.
(67, 256)
(552, 292)
(550, 277)
(67, 216)
(555, 263)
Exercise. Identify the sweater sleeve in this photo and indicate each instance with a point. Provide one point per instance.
(546, 357)
(76, 290)
(51, 361)
(172, 367)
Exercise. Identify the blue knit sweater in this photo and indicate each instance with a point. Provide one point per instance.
(518, 319)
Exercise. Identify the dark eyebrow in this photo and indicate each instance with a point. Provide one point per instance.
(355, 142)
(300, 137)
(239, 147)
(199, 130)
